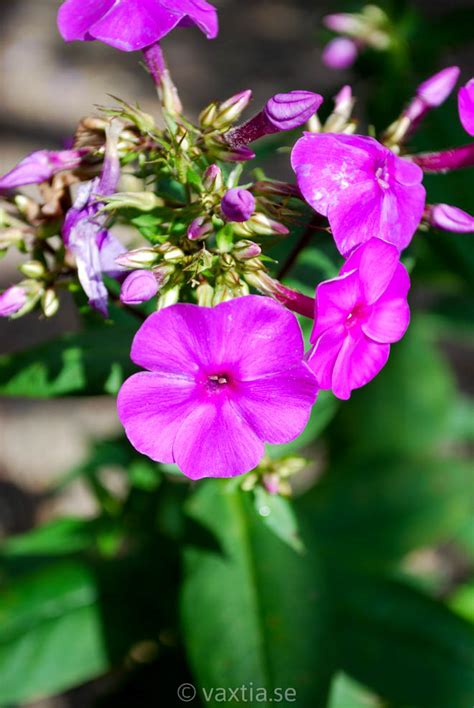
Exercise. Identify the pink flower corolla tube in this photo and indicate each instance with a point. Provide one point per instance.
(363, 188)
(450, 218)
(131, 25)
(466, 106)
(221, 381)
(358, 315)
(40, 166)
(84, 232)
(12, 300)
(340, 53)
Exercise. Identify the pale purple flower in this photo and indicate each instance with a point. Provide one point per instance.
(358, 315)
(363, 188)
(450, 218)
(284, 111)
(140, 286)
(84, 231)
(340, 53)
(41, 166)
(238, 204)
(466, 106)
(131, 25)
(221, 381)
(12, 300)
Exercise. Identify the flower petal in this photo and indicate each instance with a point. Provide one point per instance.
(388, 321)
(358, 361)
(151, 407)
(335, 299)
(323, 355)
(197, 12)
(216, 441)
(278, 406)
(76, 16)
(377, 262)
(466, 106)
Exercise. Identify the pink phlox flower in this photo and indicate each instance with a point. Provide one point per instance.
(131, 25)
(219, 383)
(466, 106)
(358, 315)
(41, 166)
(364, 189)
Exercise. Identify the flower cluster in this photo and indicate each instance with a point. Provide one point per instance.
(226, 370)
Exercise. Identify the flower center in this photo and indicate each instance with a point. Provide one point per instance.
(355, 316)
(382, 176)
(217, 382)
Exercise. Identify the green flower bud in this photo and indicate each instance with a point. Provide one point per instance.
(49, 303)
(33, 269)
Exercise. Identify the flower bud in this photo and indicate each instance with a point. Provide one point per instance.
(229, 111)
(139, 286)
(143, 201)
(33, 269)
(200, 228)
(276, 188)
(49, 303)
(205, 295)
(170, 253)
(40, 166)
(12, 300)
(230, 153)
(212, 179)
(168, 297)
(450, 218)
(138, 258)
(343, 105)
(344, 23)
(245, 250)
(238, 204)
(208, 115)
(435, 90)
(11, 237)
(262, 226)
(340, 53)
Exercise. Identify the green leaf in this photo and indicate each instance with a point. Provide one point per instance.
(278, 515)
(372, 511)
(346, 693)
(462, 602)
(50, 633)
(58, 537)
(253, 611)
(406, 646)
(95, 361)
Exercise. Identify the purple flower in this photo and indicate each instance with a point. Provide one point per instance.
(131, 25)
(285, 111)
(238, 204)
(84, 231)
(340, 53)
(361, 186)
(450, 218)
(466, 106)
(140, 286)
(358, 315)
(221, 381)
(40, 166)
(12, 300)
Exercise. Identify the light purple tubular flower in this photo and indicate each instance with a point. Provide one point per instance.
(450, 218)
(466, 106)
(361, 186)
(131, 25)
(84, 231)
(221, 381)
(12, 300)
(340, 53)
(238, 204)
(359, 314)
(40, 166)
(140, 286)
(432, 93)
(284, 111)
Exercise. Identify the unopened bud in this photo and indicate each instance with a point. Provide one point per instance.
(33, 269)
(143, 201)
(11, 237)
(138, 258)
(205, 295)
(229, 111)
(450, 218)
(262, 225)
(200, 228)
(169, 297)
(208, 115)
(238, 204)
(222, 292)
(212, 179)
(170, 253)
(49, 303)
(12, 301)
(237, 153)
(245, 250)
(139, 286)
(340, 53)
(345, 23)
(182, 137)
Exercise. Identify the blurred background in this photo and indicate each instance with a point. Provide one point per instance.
(269, 46)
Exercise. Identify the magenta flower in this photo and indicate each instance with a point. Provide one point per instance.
(140, 286)
(12, 300)
(466, 106)
(340, 53)
(238, 204)
(432, 93)
(358, 315)
(220, 382)
(362, 187)
(131, 25)
(40, 166)
(450, 218)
